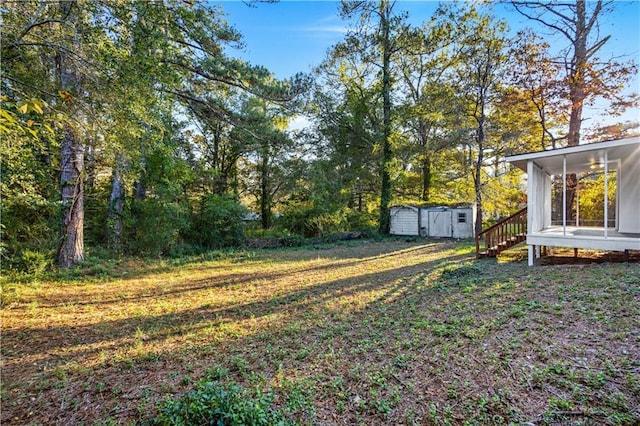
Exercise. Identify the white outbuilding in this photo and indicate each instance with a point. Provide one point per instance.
(437, 222)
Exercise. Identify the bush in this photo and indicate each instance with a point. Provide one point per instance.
(362, 221)
(157, 227)
(213, 403)
(218, 224)
(292, 240)
(35, 262)
(28, 234)
(310, 220)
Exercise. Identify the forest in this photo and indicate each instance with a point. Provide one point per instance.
(130, 128)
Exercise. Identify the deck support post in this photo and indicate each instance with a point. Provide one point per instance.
(530, 255)
(606, 193)
(564, 195)
(577, 205)
(575, 252)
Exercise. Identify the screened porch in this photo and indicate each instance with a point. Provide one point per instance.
(607, 173)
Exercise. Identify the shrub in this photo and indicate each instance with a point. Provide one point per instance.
(213, 403)
(157, 227)
(310, 220)
(35, 262)
(218, 224)
(28, 234)
(292, 240)
(361, 221)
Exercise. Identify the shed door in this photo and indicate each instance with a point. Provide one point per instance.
(462, 223)
(440, 223)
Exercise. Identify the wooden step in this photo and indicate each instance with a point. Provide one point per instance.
(503, 235)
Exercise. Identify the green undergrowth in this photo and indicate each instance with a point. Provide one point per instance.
(217, 400)
(212, 403)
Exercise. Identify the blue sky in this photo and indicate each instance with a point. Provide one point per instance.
(293, 36)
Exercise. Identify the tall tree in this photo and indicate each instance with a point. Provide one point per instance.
(539, 79)
(586, 75)
(49, 42)
(346, 116)
(480, 72)
(425, 66)
(116, 75)
(376, 38)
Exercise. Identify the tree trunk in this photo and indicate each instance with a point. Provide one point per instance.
(477, 176)
(265, 194)
(577, 69)
(116, 207)
(140, 185)
(577, 83)
(220, 183)
(426, 177)
(387, 156)
(71, 247)
(90, 157)
(572, 184)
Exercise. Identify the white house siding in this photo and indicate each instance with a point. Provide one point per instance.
(622, 155)
(629, 186)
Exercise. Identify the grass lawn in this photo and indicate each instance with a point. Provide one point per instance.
(386, 332)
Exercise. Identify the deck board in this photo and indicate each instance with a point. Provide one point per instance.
(584, 237)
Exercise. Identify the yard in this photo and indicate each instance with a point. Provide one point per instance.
(393, 331)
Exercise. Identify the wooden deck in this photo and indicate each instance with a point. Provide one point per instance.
(584, 237)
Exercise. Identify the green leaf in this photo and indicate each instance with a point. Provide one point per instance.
(8, 116)
(36, 105)
(50, 129)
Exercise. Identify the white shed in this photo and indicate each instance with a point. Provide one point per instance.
(440, 222)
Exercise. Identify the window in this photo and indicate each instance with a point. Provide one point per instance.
(462, 218)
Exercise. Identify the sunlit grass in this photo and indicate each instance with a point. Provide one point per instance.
(364, 332)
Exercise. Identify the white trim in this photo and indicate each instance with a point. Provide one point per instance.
(585, 242)
(574, 149)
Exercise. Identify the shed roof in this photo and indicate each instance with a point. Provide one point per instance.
(580, 158)
(434, 206)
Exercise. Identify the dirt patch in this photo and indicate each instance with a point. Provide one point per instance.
(585, 257)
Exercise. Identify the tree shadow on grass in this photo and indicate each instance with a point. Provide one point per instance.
(26, 350)
(160, 327)
(219, 279)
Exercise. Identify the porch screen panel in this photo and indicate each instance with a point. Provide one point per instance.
(629, 191)
(539, 195)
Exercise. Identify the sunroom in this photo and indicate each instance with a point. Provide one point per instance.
(553, 211)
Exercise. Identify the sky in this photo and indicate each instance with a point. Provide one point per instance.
(288, 37)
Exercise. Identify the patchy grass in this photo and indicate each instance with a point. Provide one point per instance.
(394, 331)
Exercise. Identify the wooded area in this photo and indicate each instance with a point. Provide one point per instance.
(129, 127)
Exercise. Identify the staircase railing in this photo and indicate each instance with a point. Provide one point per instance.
(497, 237)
